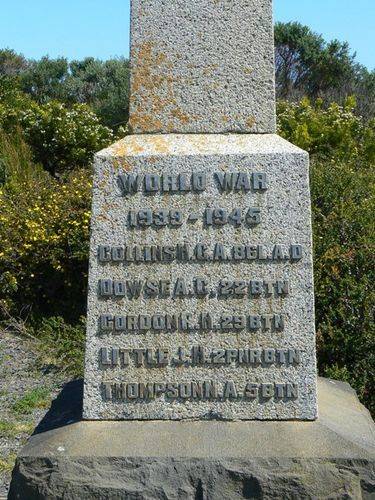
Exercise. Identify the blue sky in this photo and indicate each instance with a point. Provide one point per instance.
(99, 28)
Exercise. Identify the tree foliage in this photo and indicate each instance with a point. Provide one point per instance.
(305, 62)
(43, 80)
(102, 85)
(11, 63)
(307, 65)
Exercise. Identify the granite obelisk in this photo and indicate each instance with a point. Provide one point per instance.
(201, 286)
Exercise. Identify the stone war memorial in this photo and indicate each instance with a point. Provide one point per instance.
(200, 373)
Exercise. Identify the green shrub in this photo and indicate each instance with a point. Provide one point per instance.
(61, 137)
(344, 242)
(333, 133)
(343, 200)
(64, 137)
(104, 85)
(12, 103)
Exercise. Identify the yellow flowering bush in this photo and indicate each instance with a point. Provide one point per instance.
(44, 227)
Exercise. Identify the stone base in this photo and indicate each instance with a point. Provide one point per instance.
(333, 457)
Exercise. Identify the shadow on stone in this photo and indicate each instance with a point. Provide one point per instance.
(332, 457)
(65, 409)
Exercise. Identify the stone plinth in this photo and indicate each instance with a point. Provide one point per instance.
(201, 286)
(333, 457)
(202, 66)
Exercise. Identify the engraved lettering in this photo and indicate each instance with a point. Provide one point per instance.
(230, 390)
(129, 183)
(259, 181)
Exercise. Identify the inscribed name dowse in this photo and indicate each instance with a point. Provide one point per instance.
(200, 289)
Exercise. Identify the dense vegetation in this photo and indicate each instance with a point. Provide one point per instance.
(54, 115)
(306, 65)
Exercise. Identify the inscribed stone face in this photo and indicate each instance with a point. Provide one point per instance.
(201, 284)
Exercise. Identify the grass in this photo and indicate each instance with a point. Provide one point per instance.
(4, 358)
(36, 398)
(7, 464)
(10, 429)
(61, 346)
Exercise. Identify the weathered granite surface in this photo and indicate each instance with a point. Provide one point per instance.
(331, 458)
(202, 66)
(286, 221)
